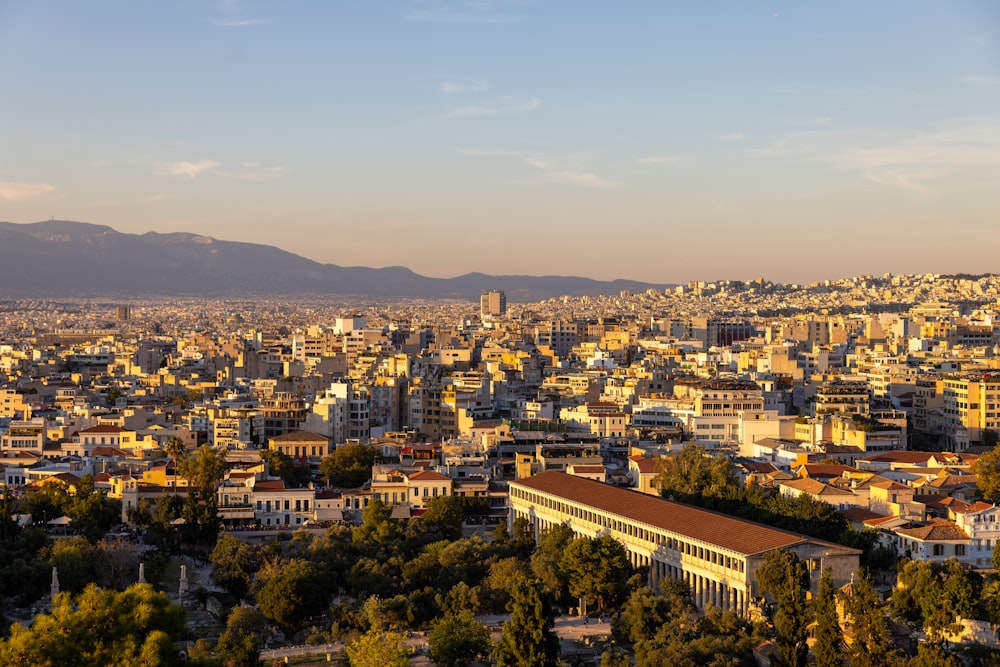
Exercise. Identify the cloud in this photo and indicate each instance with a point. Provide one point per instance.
(189, 169)
(732, 136)
(548, 168)
(469, 86)
(981, 80)
(25, 191)
(657, 159)
(501, 107)
(471, 11)
(251, 171)
(909, 159)
(237, 23)
(582, 178)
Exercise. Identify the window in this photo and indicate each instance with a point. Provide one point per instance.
(959, 549)
(938, 550)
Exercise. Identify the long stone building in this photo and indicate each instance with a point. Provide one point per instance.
(716, 554)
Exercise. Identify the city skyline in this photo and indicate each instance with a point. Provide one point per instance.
(662, 143)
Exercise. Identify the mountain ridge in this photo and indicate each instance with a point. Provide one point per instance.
(79, 258)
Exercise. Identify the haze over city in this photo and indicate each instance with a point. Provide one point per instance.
(661, 142)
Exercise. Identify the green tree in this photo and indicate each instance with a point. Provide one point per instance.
(598, 569)
(349, 466)
(523, 537)
(643, 614)
(827, 648)
(377, 525)
(987, 472)
(527, 638)
(293, 473)
(93, 513)
(379, 649)
(694, 472)
(784, 577)
(204, 469)
(291, 592)
(445, 515)
(238, 648)
(234, 563)
(872, 645)
(457, 640)
(547, 560)
(99, 627)
(177, 451)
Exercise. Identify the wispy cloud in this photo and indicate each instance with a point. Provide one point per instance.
(467, 86)
(189, 169)
(500, 107)
(908, 159)
(981, 80)
(468, 11)
(549, 169)
(25, 191)
(657, 159)
(251, 171)
(237, 23)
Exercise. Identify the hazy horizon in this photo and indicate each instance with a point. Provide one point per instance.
(656, 142)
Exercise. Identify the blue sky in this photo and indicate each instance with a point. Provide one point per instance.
(658, 141)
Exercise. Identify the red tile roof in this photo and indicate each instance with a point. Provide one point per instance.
(726, 532)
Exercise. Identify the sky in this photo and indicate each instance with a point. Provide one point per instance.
(656, 141)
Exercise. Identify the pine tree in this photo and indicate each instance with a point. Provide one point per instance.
(784, 577)
(527, 638)
(828, 638)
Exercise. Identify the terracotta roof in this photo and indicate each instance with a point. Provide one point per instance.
(901, 457)
(428, 476)
(103, 428)
(726, 532)
(815, 470)
(269, 485)
(300, 436)
(861, 514)
(647, 466)
(937, 530)
(815, 487)
(588, 469)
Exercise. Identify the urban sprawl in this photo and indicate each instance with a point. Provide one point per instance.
(733, 445)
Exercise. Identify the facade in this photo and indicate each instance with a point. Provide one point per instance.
(492, 305)
(717, 555)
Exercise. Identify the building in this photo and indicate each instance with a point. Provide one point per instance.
(717, 555)
(492, 305)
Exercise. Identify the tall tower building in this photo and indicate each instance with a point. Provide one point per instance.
(492, 305)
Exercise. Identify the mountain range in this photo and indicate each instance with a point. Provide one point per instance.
(60, 257)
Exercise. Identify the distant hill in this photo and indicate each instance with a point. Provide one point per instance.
(76, 258)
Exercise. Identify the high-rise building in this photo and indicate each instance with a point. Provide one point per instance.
(492, 305)
(122, 314)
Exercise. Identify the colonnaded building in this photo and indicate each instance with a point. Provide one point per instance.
(716, 554)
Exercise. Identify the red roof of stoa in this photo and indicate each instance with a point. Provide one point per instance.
(724, 531)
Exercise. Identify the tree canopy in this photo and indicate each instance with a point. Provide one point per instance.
(349, 466)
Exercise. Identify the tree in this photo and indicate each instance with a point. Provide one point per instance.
(457, 640)
(349, 466)
(784, 577)
(445, 514)
(137, 626)
(547, 559)
(598, 569)
(378, 649)
(239, 643)
(527, 638)
(693, 472)
(828, 636)
(377, 525)
(177, 451)
(292, 473)
(203, 470)
(234, 563)
(292, 592)
(987, 472)
(643, 614)
(872, 645)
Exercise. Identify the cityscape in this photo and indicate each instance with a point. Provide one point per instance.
(499, 333)
(367, 480)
